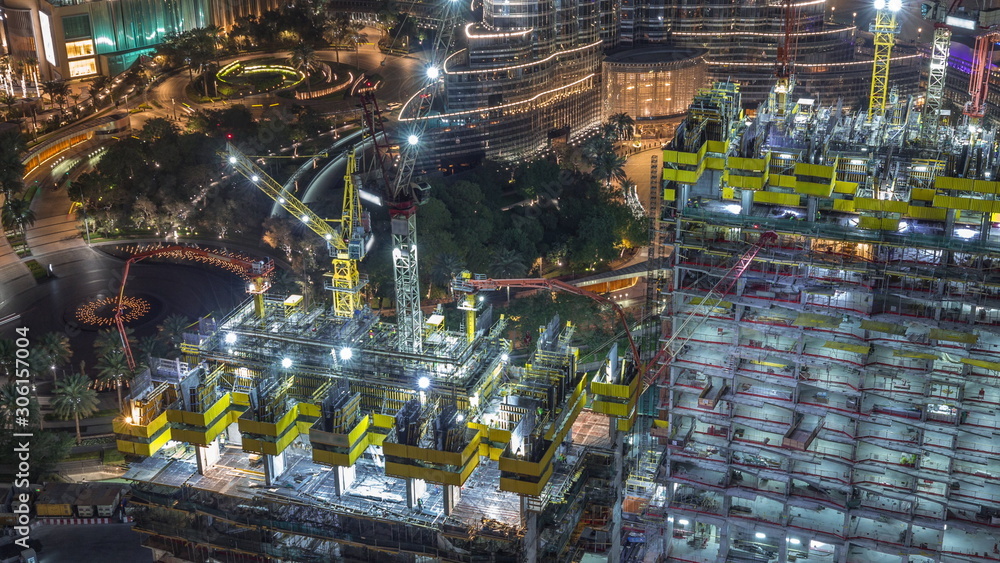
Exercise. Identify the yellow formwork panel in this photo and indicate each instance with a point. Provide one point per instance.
(744, 182)
(982, 363)
(775, 198)
(715, 163)
(856, 348)
(751, 164)
(846, 205)
(929, 213)
(615, 390)
(526, 487)
(814, 189)
(815, 170)
(953, 336)
(922, 194)
(967, 203)
(728, 193)
(884, 205)
(680, 157)
(848, 188)
(669, 194)
(441, 476)
(783, 180)
(917, 355)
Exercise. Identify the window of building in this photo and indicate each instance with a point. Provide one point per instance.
(76, 27)
(82, 67)
(82, 48)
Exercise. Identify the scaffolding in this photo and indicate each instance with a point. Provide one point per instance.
(838, 402)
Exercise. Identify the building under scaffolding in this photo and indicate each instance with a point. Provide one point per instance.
(840, 403)
(299, 436)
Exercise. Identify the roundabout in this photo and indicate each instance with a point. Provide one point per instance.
(252, 78)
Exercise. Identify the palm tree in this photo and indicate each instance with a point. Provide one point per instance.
(172, 330)
(74, 399)
(10, 101)
(624, 125)
(149, 347)
(56, 90)
(96, 89)
(55, 351)
(304, 59)
(112, 369)
(507, 263)
(594, 147)
(445, 268)
(109, 340)
(609, 167)
(340, 32)
(16, 215)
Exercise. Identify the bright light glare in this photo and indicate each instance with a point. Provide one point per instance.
(305, 218)
(460, 417)
(895, 5)
(232, 160)
(879, 4)
(255, 178)
(433, 72)
(346, 354)
(965, 233)
(794, 541)
(504, 358)
(413, 139)
(734, 209)
(230, 338)
(328, 236)
(424, 382)
(286, 363)
(682, 522)
(760, 535)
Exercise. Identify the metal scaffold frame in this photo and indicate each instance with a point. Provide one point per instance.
(885, 27)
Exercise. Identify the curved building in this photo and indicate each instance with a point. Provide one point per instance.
(742, 39)
(530, 72)
(653, 82)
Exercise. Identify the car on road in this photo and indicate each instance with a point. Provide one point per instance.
(393, 106)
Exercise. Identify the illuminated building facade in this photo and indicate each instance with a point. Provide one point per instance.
(530, 72)
(76, 39)
(830, 59)
(652, 83)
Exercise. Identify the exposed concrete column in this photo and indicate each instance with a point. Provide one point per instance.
(949, 223)
(452, 494)
(812, 202)
(683, 193)
(274, 466)
(529, 519)
(415, 489)
(233, 435)
(746, 202)
(207, 456)
(343, 478)
(783, 549)
(618, 485)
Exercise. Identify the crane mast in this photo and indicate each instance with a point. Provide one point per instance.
(347, 244)
(402, 194)
(885, 27)
(937, 72)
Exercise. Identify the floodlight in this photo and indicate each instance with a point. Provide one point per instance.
(230, 338)
(895, 5)
(424, 382)
(232, 160)
(286, 363)
(413, 139)
(760, 535)
(433, 72)
(879, 4)
(346, 354)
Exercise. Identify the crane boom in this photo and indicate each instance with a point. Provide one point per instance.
(885, 27)
(473, 285)
(347, 244)
(979, 74)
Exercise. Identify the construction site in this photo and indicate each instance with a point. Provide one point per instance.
(823, 386)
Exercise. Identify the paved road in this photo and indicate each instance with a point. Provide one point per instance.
(95, 543)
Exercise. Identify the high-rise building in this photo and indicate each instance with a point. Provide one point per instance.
(77, 38)
(832, 60)
(530, 72)
(832, 391)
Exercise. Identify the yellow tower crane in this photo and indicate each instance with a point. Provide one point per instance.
(885, 27)
(347, 238)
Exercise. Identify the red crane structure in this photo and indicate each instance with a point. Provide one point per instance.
(654, 369)
(257, 271)
(979, 74)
